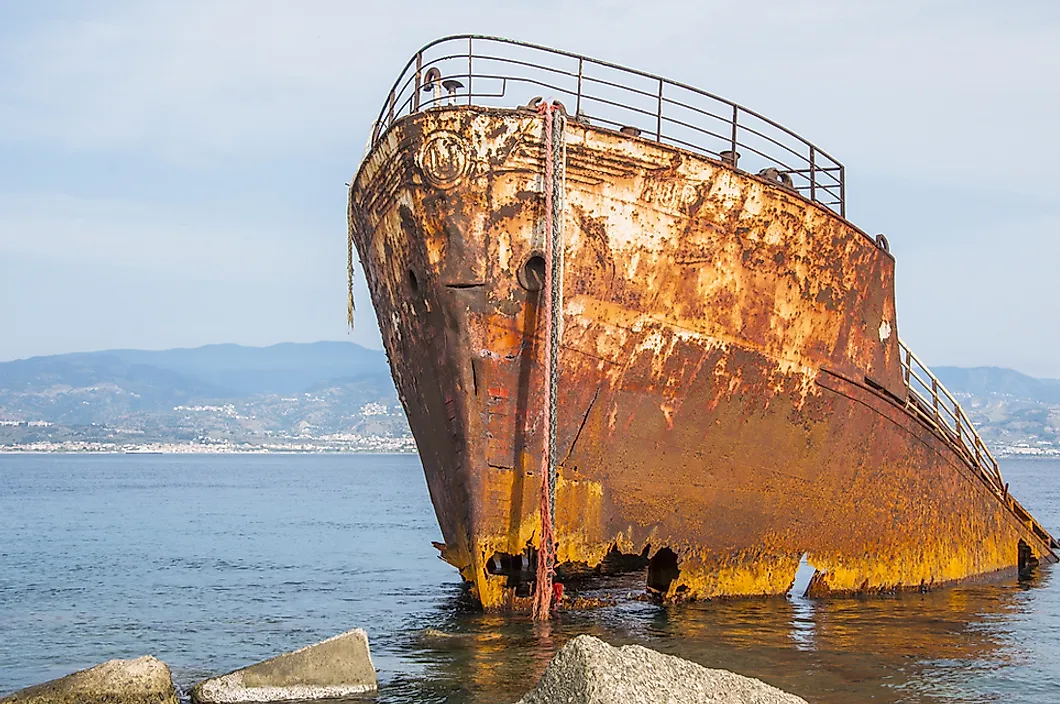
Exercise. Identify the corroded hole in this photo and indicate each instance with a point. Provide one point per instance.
(662, 570)
(532, 273)
(803, 575)
(414, 282)
(1026, 561)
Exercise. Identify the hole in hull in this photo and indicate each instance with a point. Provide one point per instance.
(662, 570)
(516, 567)
(615, 562)
(803, 575)
(520, 570)
(1026, 561)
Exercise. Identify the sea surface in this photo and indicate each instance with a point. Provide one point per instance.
(215, 562)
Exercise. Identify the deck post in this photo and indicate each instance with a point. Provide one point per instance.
(419, 81)
(813, 174)
(735, 117)
(578, 100)
(658, 115)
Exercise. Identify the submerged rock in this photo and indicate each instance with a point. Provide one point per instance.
(337, 667)
(589, 671)
(433, 638)
(145, 680)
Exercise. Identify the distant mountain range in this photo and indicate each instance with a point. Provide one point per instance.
(1014, 413)
(218, 392)
(998, 381)
(295, 392)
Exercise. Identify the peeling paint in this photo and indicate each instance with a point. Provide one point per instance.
(717, 334)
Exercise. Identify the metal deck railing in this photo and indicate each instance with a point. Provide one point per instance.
(495, 72)
(934, 404)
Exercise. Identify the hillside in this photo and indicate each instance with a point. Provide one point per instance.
(998, 381)
(213, 394)
(1015, 413)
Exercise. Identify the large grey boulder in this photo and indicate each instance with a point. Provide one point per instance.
(145, 680)
(333, 668)
(589, 671)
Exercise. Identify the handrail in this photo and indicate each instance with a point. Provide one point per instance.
(480, 70)
(936, 402)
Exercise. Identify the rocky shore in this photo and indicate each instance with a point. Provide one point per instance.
(585, 671)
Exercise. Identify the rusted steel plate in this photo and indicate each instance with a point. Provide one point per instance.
(730, 387)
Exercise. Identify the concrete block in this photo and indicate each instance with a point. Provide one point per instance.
(589, 671)
(337, 667)
(145, 680)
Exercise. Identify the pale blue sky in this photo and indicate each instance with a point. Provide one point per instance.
(171, 173)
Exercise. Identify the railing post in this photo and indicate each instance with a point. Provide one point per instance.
(578, 100)
(813, 175)
(842, 191)
(957, 424)
(935, 394)
(419, 83)
(390, 109)
(658, 115)
(735, 116)
(468, 71)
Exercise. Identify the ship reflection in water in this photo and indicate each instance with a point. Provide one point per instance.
(985, 642)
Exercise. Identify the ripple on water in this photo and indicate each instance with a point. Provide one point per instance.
(212, 563)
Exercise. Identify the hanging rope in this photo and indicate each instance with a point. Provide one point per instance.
(349, 278)
(349, 243)
(555, 125)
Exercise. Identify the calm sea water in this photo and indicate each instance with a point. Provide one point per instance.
(212, 563)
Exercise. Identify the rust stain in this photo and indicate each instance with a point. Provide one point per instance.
(714, 418)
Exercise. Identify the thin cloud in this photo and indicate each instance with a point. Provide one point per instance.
(931, 92)
(115, 233)
(941, 111)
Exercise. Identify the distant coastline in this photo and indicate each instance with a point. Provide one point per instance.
(1026, 452)
(354, 445)
(335, 397)
(359, 445)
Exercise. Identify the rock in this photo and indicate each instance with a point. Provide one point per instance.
(337, 667)
(433, 638)
(435, 634)
(145, 680)
(589, 671)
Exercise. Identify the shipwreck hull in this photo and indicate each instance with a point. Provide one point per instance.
(731, 393)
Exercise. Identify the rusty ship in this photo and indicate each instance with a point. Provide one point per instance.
(731, 394)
